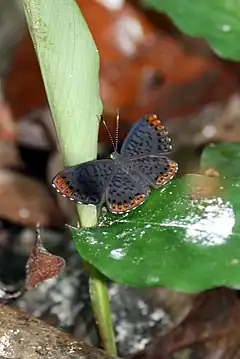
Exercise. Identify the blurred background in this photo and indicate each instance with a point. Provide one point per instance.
(147, 66)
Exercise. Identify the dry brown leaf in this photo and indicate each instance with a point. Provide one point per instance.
(42, 265)
(210, 331)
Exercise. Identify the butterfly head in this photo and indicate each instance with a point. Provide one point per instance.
(114, 156)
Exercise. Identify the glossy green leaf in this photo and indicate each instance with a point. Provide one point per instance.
(224, 158)
(218, 21)
(173, 240)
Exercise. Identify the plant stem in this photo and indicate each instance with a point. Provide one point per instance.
(98, 291)
(101, 308)
(69, 63)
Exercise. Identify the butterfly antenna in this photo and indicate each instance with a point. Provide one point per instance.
(109, 133)
(117, 129)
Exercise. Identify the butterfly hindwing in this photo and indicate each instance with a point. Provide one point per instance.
(148, 136)
(125, 193)
(85, 183)
(157, 170)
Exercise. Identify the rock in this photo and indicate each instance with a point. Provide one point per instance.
(29, 338)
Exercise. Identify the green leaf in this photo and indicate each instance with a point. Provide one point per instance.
(173, 240)
(218, 21)
(224, 158)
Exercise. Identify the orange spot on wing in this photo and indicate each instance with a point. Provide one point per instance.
(132, 203)
(173, 167)
(67, 192)
(57, 181)
(114, 206)
(63, 187)
(156, 122)
(140, 198)
(151, 118)
(160, 180)
(169, 174)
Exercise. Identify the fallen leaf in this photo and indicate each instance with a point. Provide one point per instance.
(211, 330)
(42, 265)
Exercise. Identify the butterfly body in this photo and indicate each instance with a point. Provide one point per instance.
(123, 181)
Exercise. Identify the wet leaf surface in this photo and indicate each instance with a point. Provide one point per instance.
(185, 237)
(220, 27)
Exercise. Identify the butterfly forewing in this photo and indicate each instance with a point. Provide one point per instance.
(85, 183)
(148, 136)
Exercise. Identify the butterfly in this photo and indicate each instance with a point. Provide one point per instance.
(122, 181)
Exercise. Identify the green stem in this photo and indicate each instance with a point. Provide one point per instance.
(69, 63)
(100, 302)
(101, 308)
